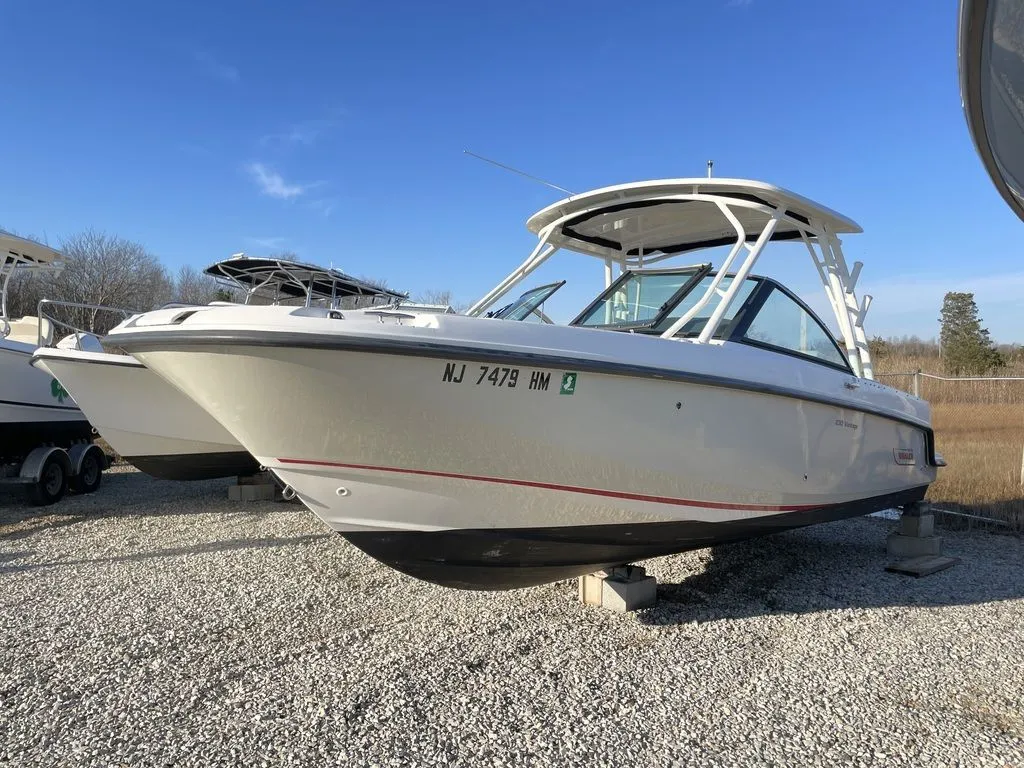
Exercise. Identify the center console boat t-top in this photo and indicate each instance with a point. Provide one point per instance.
(150, 423)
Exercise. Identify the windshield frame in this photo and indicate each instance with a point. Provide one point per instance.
(546, 291)
(699, 272)
(748, 313)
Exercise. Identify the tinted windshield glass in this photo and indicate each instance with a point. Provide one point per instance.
(696, 324)
(525, 305)
(636, 300)
(783, 323)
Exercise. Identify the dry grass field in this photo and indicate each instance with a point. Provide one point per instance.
(979, 430)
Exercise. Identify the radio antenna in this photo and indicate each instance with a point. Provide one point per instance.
(517, 171)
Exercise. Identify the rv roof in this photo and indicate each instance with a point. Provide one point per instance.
(21, 251)
(677, 215)
(291, 278)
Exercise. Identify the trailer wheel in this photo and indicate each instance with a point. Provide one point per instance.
(90, 471)
(52, 483)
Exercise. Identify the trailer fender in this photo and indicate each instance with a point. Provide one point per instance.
(32, 467)
(77, 454)
(88, 462)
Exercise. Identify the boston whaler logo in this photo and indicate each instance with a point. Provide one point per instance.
(59, 392)
(568, 384)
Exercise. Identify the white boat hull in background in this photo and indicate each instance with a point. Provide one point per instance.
(34, 410)
(477, 479)
(145, 420)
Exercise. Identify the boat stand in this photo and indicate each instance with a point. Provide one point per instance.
(622, 589)
(256, 487)
(915, 543)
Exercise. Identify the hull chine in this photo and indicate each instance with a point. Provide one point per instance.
(512, 558)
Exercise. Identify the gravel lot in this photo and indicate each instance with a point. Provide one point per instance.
(156, 623)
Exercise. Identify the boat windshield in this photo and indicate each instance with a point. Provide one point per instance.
(696, 323)
(651, 301)
(527, 304)
(639, 299)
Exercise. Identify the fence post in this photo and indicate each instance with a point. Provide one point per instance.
(917, 393)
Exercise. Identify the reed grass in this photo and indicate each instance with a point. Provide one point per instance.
(979, 430)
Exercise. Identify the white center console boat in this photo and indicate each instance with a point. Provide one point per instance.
(154, 426)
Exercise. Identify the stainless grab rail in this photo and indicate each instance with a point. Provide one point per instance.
(124, 313)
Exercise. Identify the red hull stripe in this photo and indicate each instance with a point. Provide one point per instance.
(567, 488)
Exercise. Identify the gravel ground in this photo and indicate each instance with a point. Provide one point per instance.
(155, 623)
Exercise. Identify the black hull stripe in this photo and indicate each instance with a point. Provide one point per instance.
(41, 405)
(157, 340)
(81, 360)
(509, 558)
(196, 466)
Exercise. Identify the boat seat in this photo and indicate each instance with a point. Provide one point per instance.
(26, 330)
(81, 341)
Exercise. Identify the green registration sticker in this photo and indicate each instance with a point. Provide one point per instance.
(568, 384)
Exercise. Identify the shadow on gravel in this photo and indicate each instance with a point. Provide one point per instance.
(20, 523)
(231, 545)
(7, 557)
(806, 571)
(121, 494)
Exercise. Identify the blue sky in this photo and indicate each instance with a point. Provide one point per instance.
(336, 130)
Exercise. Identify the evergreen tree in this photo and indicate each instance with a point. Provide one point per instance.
(966, 347)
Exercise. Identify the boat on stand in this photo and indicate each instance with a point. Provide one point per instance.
(686, 406)
(150, 423)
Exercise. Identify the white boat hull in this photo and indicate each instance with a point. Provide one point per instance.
(33, 409)
(456, 476)
(148, 422)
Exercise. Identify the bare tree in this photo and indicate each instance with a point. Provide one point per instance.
(374, 281)
(103, 270)
(24, 291)
(194, 287)
(445, 298)
(435, 297)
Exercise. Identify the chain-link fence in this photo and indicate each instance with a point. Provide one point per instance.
(979, 430)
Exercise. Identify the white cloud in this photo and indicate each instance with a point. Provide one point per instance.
(272, 184)
(215, 68)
